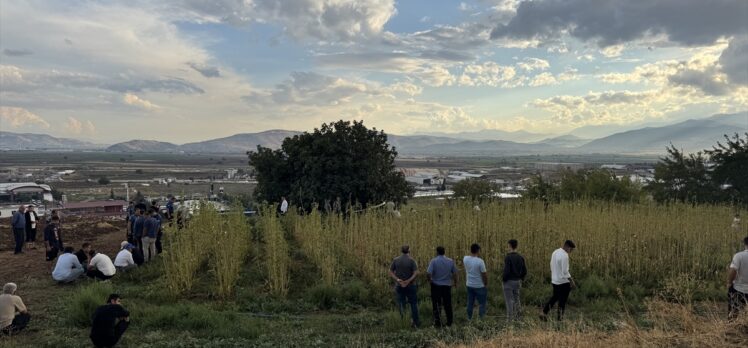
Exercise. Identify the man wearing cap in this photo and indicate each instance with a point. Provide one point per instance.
(18, 224)
(124, 260)
(13, 314)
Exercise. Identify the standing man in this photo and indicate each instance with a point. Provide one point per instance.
(52, 239)
(137, 227)
(514, 273)
(13, 313)
(283, 206)
(442, 274)
(18, 224)
(560, 279)
(150, 233)
(737, 282)
(109, 322)
(31, 222)
(404, 271)
(476, 281)
(170, 208)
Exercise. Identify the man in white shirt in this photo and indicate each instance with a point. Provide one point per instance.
(737, 282)
(68, 268)
(13, 313)
(124, 260)
(477, 281)
(560, 279)
(283, 206)
(100, 266)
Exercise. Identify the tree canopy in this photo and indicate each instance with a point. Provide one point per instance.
(598, 184)
(474, 189)
(342, 160)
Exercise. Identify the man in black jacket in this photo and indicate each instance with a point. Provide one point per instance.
(109, 322)
(514, 273)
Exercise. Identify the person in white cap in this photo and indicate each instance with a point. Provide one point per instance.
(124, 261)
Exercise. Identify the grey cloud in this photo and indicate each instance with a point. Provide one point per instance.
(705, 80)
(308, 88)
(734, 60)
(16, 53)
(447, 55)
(205, 70)
(610, 22)
(68, 41)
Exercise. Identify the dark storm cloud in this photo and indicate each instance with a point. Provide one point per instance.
(610, 22)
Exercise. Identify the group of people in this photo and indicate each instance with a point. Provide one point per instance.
(24, 224)
(71, 265)
(442, 275)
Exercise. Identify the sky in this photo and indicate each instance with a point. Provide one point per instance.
(192, 70)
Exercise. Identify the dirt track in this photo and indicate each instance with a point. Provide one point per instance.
(104, 234)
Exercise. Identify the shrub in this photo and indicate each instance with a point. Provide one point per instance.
(79, 308)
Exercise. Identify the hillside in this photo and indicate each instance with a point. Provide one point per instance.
(239, 143)
(31, 141)
(691, 135)
(143, 146)
(568, 141)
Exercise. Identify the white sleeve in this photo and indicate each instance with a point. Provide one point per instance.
(565, 267)
(735, 264)
(130, 260)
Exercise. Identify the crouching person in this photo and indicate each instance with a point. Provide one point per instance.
(68, 268)
(13, 314)
(100, 266)
(109, 322)
(124, 260)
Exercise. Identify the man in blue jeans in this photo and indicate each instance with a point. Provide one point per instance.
(404, 271)
(18, 224)
(477, 280)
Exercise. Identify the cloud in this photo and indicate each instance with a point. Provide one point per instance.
(530, 64)
(19, 117)
(16, 53)
(77, 127)
(308, 88)
(300, 19)
(205, 70)
(734, 60)
(613, 22)
(489, 74)
(134, 100)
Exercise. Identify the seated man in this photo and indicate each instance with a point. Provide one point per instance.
(101, 266)
(13, 314)
(82, 254)
(124, 260)
(67, 268)
(109, 322)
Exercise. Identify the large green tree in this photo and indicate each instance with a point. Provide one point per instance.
(683, 177)
(730, 162)
(597, 184)
(474, 189)
(338, 160)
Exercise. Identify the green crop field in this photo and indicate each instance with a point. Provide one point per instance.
(320, 280)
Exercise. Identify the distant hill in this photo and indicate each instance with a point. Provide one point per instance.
(481, 148)
(143, 146)
(492, 134)
(240, 143)
(691, 135)
(564, 141)
(31, 141)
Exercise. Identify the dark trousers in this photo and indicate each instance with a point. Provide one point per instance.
(109, 339)
(159, 247)
(19, 235)
(408, 294)
(98, 275)
(736, 302)
(560, 295)
(30, 235)
(441, 297)
(19, 323)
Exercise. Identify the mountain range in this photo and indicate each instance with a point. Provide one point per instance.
(691, 135)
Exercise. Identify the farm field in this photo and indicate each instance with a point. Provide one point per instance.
(648, 275)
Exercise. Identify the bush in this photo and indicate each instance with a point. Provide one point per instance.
(104, 180)
(83, 303)
(200, 319)
(323, 296)
(594, 287)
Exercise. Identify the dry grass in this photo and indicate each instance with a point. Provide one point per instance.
(276, 252)
(673, 325)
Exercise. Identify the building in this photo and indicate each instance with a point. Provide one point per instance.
(25, 192)
(114, 207)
